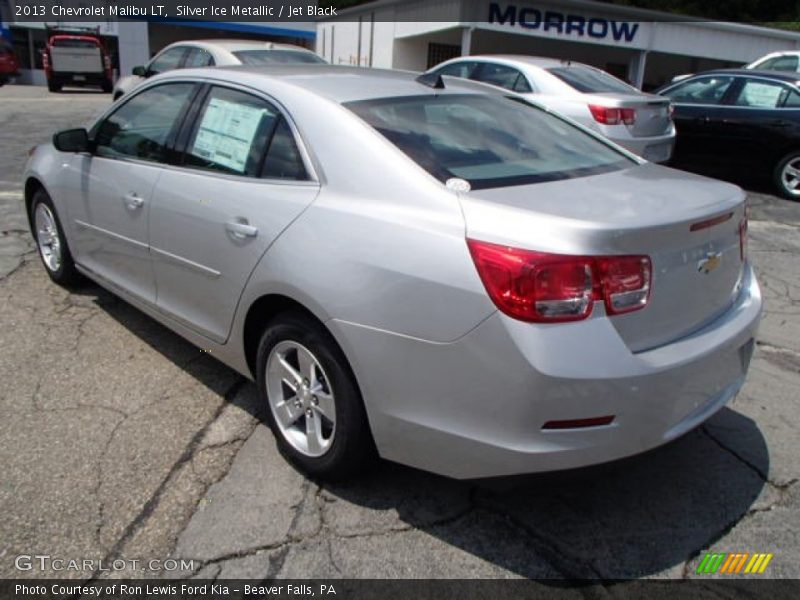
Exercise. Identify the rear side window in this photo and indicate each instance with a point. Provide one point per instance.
(779, 63)
(591, 81)
(761, 94)
(277, 57)
(502, 76)
(142, 126)
(490, 141)
(701, 90)
(198, 57)
(241, 134)
(461, 69)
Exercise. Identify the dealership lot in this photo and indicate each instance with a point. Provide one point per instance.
(120, 440)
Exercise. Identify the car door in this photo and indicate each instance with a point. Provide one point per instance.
(758, 121)
(242, 180)
(116, 182)
(698, 116)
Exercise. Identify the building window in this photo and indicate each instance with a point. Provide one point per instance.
(441, 52)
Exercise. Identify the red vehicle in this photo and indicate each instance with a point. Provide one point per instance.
(9, 66)
(77, 59)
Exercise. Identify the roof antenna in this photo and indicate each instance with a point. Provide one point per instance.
(432, 80)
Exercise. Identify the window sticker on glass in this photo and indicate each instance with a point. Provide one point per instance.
(226, 133)
(761, 95)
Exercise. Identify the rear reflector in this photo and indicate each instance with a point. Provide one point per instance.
(552, 288)
(710, 222)
(579, 423)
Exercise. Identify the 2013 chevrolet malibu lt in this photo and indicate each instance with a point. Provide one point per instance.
(434, 272)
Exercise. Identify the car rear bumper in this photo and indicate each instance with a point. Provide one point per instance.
(476, 407)
(656, 149)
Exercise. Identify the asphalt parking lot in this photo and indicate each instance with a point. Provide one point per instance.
(119, 440)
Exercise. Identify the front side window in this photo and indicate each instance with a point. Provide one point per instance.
(141, 127)
(761, 94)
(502, 76)
(240, 134)
(167, 61)
(701, 90)
(490, 141)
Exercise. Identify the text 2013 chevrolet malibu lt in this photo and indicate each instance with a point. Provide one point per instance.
(453, 278)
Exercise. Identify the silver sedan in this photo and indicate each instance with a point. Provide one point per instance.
(215, 53)
(640, 122)
(442, 276)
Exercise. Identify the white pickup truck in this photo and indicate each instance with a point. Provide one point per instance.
(77, 60)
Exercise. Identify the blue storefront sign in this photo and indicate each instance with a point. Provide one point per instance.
(552, 21)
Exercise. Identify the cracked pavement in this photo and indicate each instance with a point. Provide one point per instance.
(121, 440)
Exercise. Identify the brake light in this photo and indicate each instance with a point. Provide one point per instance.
(551, 288)
(613, 116)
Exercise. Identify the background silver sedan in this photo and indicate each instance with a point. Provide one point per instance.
(455, 279)
(215, 53)
(640, 122)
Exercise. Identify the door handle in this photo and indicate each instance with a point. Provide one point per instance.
(133, 201)
(241, 229)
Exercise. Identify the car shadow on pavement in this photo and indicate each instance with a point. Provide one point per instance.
(636, 517)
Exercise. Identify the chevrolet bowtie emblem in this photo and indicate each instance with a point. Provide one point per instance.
(709, 263)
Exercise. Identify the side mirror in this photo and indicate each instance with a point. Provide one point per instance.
(139, 71)
(72, 140)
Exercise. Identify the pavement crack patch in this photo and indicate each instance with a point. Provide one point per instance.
(559, 559)
(736, 455)
(150, 506)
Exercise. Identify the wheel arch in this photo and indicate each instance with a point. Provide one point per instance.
(32, 185)
(262, 310)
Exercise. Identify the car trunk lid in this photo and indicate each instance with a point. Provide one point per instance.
(688, 226)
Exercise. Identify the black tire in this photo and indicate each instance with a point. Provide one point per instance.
(66, 274)
(352, 449)
(108, 87)
(53, 86)
(779, 178)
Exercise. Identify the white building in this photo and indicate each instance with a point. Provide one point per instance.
(642, 46)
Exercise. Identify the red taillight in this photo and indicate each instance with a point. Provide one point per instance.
(625, 282)
(552, 288)
(613, 116)
(628, 115)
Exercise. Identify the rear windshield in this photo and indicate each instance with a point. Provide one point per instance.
(72, 43)
(591, 81)
(490, 141)
(276, 57)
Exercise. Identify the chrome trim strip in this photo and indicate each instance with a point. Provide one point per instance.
(185, 262)
(112, 235)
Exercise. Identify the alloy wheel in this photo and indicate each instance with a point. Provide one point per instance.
(47, 237)
(300, 398)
